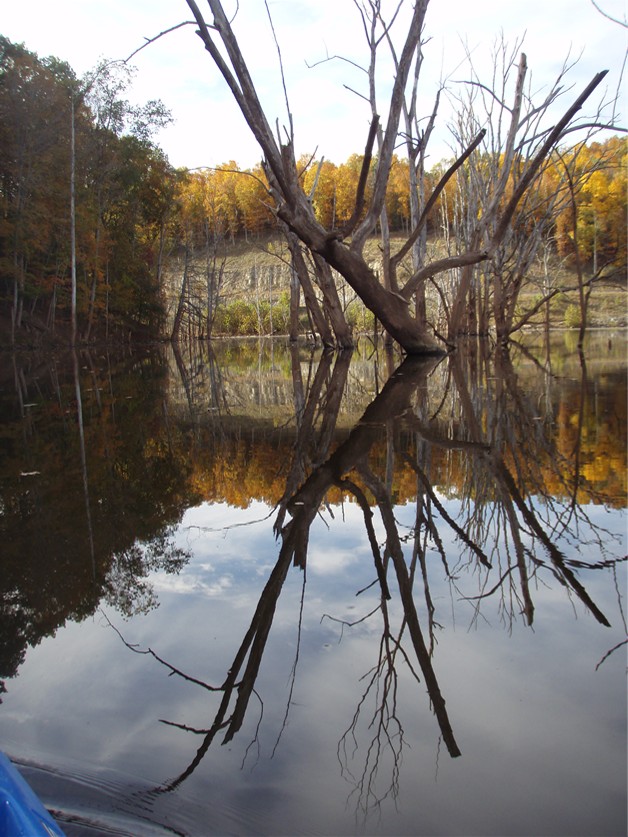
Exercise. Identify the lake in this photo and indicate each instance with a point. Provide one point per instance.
(255, 589)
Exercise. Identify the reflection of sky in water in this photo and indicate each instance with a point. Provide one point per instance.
(542, 733)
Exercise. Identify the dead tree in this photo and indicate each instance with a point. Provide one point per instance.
(517, 153)
(342, 248)
(292, 205)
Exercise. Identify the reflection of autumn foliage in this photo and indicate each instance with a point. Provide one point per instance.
(600, 443)
(237, 474)
(71, 535)
(513, 453)
(109, 524)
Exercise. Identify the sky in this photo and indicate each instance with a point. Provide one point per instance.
(330, 116)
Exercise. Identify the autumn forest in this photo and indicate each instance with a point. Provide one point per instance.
(93, 217)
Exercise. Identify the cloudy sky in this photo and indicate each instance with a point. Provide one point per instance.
(328, 117)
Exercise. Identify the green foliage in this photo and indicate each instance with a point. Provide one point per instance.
(240, 318)
(572, 316)
(360, 318)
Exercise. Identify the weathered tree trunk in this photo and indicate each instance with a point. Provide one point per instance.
(314, 310)
(295, 298)
(293, 206)
(73, 220)
(95, 270)
(332, 305)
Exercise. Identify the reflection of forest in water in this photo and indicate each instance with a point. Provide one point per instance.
(100, 458)
(502, 455)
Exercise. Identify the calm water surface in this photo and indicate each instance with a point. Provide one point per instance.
(263, 591)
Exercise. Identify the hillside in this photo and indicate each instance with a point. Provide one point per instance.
(258, 271)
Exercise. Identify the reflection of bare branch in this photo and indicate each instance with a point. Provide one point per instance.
(410, 612)
(251, 650)
(485, 426)
(610, 651)
(172, 669)
(511, 497)
(311, 446)
(556, 556)
(368, 522)
(345, 622)
(293, 673)
(385, 726)
(427, 487)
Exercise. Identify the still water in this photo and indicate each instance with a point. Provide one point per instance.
(256, 590)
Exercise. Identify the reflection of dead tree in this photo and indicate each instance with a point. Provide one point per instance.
(323, 401)
(202, 379)
(494, 430)
(242, 675)
(243, 672)
(88, 512)
(509, 462)
(303, 506)
(393, 402)
(489, 433)
(239, 685)
(387, 735)
(395, 551)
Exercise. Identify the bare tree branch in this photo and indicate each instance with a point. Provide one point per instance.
(348, 228)
(554, 136)
(152, 40)
(283, 77)
(610, 17)
(407, 292)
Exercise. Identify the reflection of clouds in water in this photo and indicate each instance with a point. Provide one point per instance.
(331, 562)
(338, 543)
(194, 582)
(233, 548)
(510, 703)
(526, 705)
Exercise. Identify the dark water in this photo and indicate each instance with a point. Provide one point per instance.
(256, 591)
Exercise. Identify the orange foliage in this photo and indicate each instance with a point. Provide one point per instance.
(237, 473)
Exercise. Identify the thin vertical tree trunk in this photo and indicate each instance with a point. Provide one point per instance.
(331, 303)
(300, 267)
(295, 297)
(183, 296)
(73, 218)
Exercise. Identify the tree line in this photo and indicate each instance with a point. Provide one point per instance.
(91, 212)
(234, 203)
